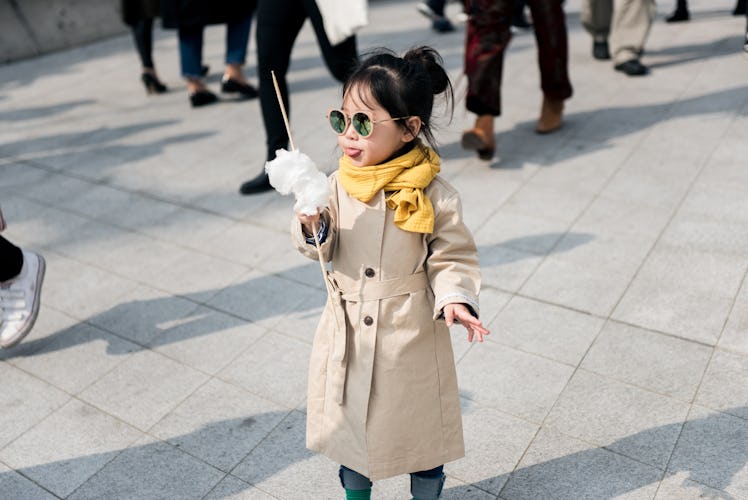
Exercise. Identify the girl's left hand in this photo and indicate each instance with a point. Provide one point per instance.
(461, 314)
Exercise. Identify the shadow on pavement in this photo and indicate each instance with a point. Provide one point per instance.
(152, 323)
(710, 451)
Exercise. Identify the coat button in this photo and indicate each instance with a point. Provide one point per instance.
(369, 272)
(368, 321)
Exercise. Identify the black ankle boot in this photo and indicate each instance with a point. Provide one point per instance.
(259, 184)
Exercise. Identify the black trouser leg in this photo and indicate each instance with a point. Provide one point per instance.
(142, 32)
(11, 260)
(278, 25)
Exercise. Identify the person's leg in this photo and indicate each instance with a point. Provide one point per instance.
(596, 17)
(357, 486)
(11, 260)
(632, 20)
(142, 32)
(278, 24)
(237, 37)
(340, 59)
(428, 484)
(553, 60)
(190, 58)
(21, 276)
(488, 35)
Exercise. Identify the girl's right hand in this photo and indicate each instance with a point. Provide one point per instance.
(308, 222)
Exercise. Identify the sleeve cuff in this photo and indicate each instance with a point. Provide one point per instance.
(321, 233)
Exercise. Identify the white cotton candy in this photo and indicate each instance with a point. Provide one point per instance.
(294, 172)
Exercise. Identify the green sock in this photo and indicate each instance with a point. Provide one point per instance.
(358, 494)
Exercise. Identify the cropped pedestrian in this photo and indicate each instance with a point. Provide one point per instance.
(278, 25)
(190, 17)
(488, 35)
(21, 276)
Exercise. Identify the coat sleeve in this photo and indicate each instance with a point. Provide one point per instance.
(452, 262)
(330, 215)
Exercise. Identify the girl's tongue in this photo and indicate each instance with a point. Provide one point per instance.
(352, 152)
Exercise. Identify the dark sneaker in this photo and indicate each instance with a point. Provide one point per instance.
(245, 90)
(632, 68)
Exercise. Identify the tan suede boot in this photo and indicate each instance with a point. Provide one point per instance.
(480, 138)
(550, 115)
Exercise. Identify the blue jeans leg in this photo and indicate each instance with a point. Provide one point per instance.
(237, 37)
(191, 51)
(427, 484)
(352, 480)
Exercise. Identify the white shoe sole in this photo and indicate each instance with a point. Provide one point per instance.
(36, 301)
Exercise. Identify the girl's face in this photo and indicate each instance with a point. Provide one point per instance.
(387, 135)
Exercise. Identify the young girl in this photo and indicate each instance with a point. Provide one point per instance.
(382, 396)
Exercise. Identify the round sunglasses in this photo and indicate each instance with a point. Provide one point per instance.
(362, 123)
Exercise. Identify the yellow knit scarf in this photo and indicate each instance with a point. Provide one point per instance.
(406, 176)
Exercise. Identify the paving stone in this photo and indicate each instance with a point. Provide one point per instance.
(577, 285)
(219, 423)
(143, 313)
(659, 363)
(73, 358)
(684, 292)
(26, 401)
(550, 331)
(232, 488)
(123, 393)
(679, 487)
(69, 447)
(151, 469)
(283, 467)
(622, 418)
(205, 339)
(275, 367)
(735, 335)
(725, 384)
(521, 384)
(559, 466)
(711, 451)
(18, 487)
(494, 444)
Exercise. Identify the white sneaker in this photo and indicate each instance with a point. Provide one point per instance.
(19, 300)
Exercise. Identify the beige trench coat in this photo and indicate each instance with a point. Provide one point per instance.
(382, 396)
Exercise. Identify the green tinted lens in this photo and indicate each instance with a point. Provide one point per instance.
(362, 124)
(337, 121)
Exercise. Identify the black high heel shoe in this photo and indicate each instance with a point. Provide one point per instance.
(152, 84)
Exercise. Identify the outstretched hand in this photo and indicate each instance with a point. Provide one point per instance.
(461, 314)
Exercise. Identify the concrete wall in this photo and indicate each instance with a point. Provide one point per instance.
(33, 27)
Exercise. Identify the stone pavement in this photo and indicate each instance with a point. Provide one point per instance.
(169, 358)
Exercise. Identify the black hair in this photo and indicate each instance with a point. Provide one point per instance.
(405, 86)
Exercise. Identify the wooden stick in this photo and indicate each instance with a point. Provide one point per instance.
(314, 226)
(283, 110)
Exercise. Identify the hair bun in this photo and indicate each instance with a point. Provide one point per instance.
(433, 62)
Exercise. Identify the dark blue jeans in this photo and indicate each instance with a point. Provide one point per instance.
(191, 46)
(424, 485)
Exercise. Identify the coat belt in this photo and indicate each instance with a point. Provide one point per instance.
(343, 288)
